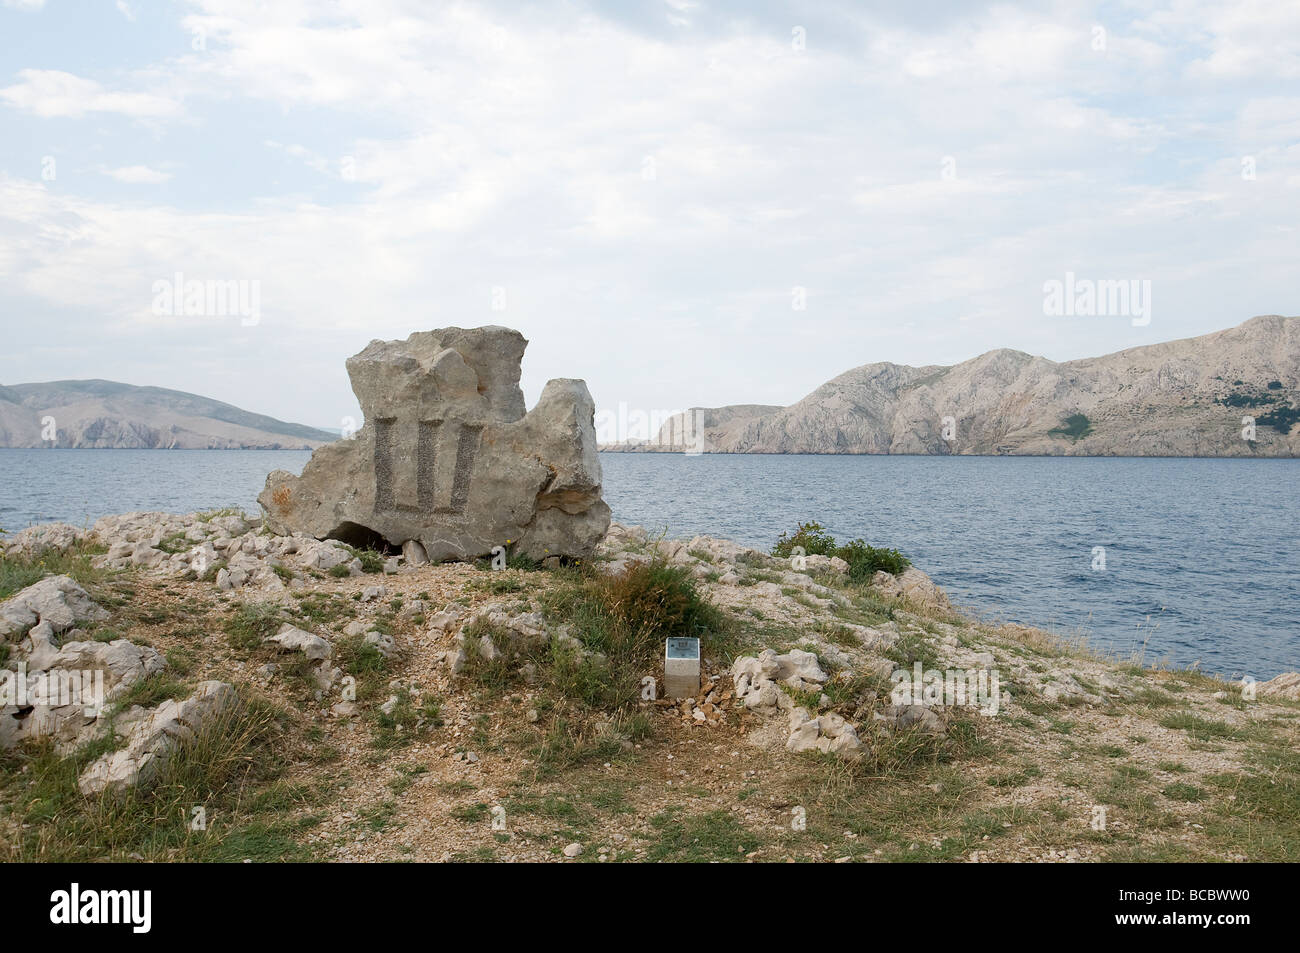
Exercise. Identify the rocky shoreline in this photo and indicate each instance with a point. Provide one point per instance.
(455, 694)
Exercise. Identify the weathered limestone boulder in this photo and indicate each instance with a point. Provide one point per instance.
(829, 734)
(67, 687)
(911, 584)
(1286, 685)
(35, 540)
(449, 459)
(153, 738)
(290, 638)
(57, 600)
(900, 717)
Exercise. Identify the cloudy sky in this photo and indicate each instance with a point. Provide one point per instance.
(684, 203)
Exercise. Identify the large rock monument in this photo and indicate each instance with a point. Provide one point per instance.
(449, 459)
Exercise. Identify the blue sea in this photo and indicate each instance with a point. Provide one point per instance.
(1201, 557)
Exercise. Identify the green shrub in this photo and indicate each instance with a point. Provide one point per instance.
(811, 536)
(864, 561)
(621, 622)
(660, 598)
(1281, 419)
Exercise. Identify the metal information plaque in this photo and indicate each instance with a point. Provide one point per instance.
(683, 648)
(682, 668)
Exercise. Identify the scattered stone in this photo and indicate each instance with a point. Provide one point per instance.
(413, 553)
(383, 642)
(290, 638)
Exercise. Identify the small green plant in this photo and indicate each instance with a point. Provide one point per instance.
(864, 560)
(406, 721)
(372, 561)
(363, 661)
(18, 571)
(175, 543)
(253, 622)
(470, 813)
(1178, 791)
(699, 838)
(812, 536)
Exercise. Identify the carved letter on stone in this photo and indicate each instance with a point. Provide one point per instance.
(436, 491)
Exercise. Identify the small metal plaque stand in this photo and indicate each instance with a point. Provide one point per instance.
(682, 668)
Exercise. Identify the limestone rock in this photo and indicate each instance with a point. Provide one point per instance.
(816, 563)
(908, 716)
(448, 457)
(1286, 685)
(911, 584)
(830, 734)
(383, 643)
(57, 600)
(413, 553)
(35, 540)
(153, 739)
(292, 639)
(123, 662)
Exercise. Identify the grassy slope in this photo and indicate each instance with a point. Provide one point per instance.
(1181, 775)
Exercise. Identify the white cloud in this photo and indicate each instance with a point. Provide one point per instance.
(50, 93)
(508, 149)
(127, 11)
(138, 175)
(27, 5)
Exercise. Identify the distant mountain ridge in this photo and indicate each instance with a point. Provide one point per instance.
(111, 415)
(1201, 396)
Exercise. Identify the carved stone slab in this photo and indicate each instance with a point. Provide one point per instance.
(449, 458)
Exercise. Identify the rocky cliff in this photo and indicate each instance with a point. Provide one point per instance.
(106, 414)
(1202, 396)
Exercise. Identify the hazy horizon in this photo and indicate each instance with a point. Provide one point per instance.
(600, 405)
